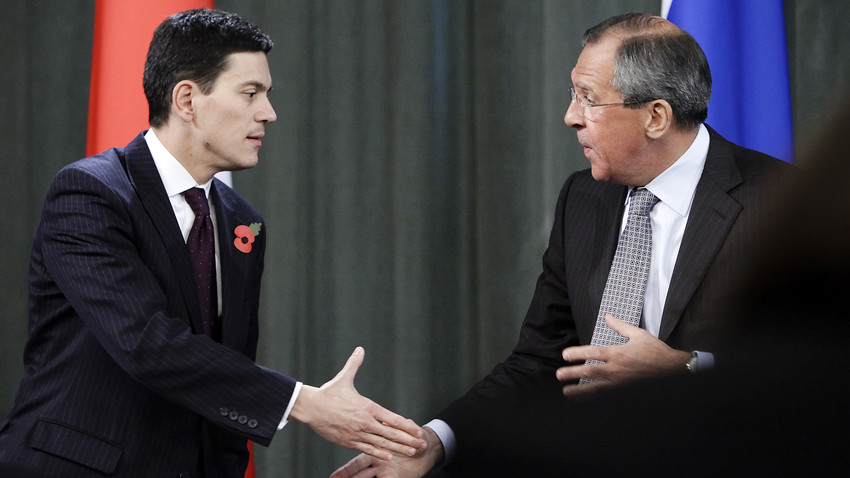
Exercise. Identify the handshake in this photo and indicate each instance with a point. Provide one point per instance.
(391, 445)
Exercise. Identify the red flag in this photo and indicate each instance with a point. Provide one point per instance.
(118, 109)
(122, 32)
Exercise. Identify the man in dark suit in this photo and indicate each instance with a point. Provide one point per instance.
(639, 99)
(123, 375)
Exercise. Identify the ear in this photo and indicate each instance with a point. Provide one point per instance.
(181, 100)
(660, 118)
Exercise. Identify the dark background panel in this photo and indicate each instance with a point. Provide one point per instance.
(408, 186)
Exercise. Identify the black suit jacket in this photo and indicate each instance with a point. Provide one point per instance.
(497, 418)
(120, 380)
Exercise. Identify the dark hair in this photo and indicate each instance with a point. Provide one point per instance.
(658, 60)
(194, 45)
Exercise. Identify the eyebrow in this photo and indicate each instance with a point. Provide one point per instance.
(583, 87)
(258, 85)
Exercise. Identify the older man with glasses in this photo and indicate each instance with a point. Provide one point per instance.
(642, 249)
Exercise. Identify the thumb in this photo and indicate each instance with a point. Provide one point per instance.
(349, 370)
(620, 326)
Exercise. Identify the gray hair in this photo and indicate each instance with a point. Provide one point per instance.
(657, 60)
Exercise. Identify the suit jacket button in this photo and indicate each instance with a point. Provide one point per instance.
(224, 411)
(243, 419)
(233, 416)
(252, 423)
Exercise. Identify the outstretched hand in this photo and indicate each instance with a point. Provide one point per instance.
(339, 414)
(365, 466)
(642, 356)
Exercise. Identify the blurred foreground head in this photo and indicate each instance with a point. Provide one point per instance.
(800, 274)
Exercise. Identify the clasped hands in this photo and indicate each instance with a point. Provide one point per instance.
(641, 357)
(339, 414)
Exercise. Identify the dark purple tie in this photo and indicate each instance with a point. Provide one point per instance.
(201, 244)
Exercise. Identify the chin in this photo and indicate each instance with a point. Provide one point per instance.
(247, 163)
(600, 174)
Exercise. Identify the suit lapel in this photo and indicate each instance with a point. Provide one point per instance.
(591, 226)
(144, 176)
(608, 220)
(713, 213)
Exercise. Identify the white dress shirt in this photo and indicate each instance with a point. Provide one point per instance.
(675, 188)
(176, 180)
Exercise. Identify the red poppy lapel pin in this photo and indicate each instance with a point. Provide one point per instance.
(245, 236)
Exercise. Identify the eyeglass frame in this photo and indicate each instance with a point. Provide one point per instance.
(575, 97)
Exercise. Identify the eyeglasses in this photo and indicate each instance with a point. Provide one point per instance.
(587, 104)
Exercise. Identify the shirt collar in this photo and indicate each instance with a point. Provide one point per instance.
(675, 186)
(175, 177)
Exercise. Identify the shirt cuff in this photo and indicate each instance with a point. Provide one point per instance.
(705, 361)
(447, 436)
(285, 419)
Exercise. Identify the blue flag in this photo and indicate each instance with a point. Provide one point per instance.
(744, 42)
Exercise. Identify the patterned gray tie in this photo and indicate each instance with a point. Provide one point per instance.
(626, 285)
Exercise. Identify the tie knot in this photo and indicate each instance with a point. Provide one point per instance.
(197, 201)
(641, 202)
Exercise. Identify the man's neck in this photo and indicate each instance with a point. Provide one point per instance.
(178, 142)
(667, 150)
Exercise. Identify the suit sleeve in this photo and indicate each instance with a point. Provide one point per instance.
(91, 251)
(527, 376)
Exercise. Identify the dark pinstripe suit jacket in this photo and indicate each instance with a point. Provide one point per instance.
(575, 267)
(118, 382)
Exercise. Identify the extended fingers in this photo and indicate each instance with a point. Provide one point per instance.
(581, 353)
(380, 441)
(398, 428)
(353, 469)
(370, 449)
(386, 436)
(365, 466)
(576, 390)
(585, 370)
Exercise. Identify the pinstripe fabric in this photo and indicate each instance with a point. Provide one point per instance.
(118, 381)
(731, 191)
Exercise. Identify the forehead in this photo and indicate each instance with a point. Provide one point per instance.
(248, 68)
(594, 68)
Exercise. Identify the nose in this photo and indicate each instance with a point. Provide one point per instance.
(574, 117)
(266, 113)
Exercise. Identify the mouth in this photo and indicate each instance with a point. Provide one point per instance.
(583, 144)
(256, 139)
